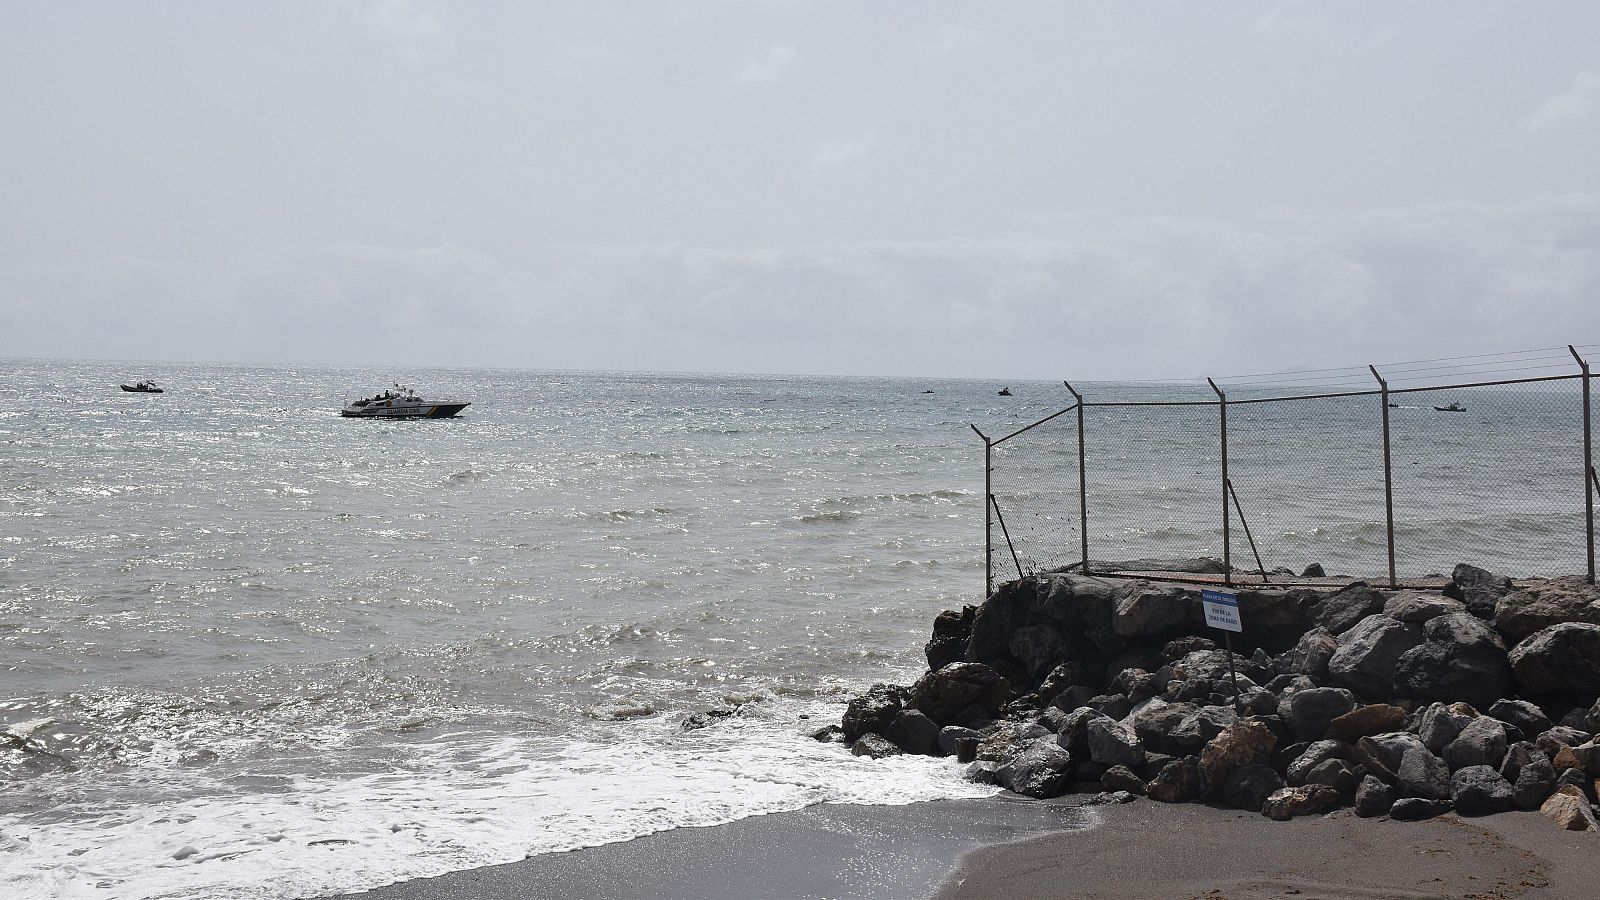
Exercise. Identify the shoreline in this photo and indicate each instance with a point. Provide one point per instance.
(828, 850)
(1052, 850)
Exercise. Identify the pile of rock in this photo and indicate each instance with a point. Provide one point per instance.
(1480, 698)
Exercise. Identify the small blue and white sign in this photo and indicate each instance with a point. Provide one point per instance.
(1222, 609)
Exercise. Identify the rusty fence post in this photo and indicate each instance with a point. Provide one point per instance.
(1083, 491)
(988, 517)
(1591, 483)
(1222, 418)
(1388, 474)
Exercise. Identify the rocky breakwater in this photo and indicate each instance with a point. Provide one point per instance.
(1479, 699)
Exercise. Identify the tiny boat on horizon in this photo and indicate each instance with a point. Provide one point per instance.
(1454, 407)
(402, 403)
(144, 386)
(1005, 392)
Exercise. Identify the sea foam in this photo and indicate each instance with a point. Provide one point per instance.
(464, 800)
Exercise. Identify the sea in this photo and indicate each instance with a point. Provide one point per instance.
(251, 649)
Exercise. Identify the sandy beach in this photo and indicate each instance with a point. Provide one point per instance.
(981, 849)
(1155, 851)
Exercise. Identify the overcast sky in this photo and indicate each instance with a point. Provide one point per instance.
(1015, 189)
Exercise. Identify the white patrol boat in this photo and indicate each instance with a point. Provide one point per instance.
(402, 403)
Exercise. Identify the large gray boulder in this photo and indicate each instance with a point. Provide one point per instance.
(1122, 778)
(1114, 743)
(1073, 733)
(951, 629)
(1441, 723)
(1156, 721)
(1461, 658)
(1367, 655)
(1528, 718)
(1541, 604)
(959, 742)
(914, 732)
(1038, 649)
(872, 712)
(1480, 791)
(1338, 774)
(1518, 755)
(1414, 606)
(874, 745)
(1340, 611)
(1250, 786)
(1145, 610)
(1373, 797)
(1177, 782)
(1078, 603)
(1477, 588)
(1383, 753)
(1308, 712)
(1482, 743)
(1561, 659)
(1199, 727)
(1314, 755)
(1009, 739)
(1042, 770)
(1004, 612)
(1535, 781)
(1421, 774)
(1310, 655)
(947, 695)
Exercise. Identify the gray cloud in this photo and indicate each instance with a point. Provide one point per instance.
(1580, 103)
(842, 151)
(1055, 188)
(766, 65)
(1081, 298)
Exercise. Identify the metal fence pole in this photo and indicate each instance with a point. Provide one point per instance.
(1222, 416)
(1388, 474)
(1588, 462)
(988, 516)
(1083, 493)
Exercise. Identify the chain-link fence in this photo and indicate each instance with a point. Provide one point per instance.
(1400, 478)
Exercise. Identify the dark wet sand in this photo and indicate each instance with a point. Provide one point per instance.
(1008, 848)
(826, 851)
(1153, 851)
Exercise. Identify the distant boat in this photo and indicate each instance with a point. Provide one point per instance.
(927, 392)
(1394, 405)
(1454, 407)
(146, 386)
(402, 403)
(1005, 392)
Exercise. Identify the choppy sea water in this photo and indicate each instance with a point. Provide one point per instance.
(283, 653)
(263, 651)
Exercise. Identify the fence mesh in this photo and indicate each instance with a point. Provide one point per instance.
(1502, 478)
(1309, 477)
(1153, 475)
(1492, 474)
(1035, 487)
